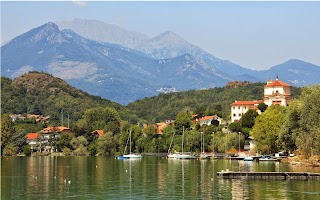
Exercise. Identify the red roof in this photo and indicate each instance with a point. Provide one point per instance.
(205, 118)
(100, 132)
(240, 103)
(277, 83)
(32, 136)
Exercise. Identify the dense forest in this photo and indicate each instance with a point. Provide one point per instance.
(43, 94)
(201, 102)
(294, 128)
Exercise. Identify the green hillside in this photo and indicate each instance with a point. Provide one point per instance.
(41, 93)
(207, 102)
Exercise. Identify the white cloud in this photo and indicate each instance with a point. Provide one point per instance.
(80, 3)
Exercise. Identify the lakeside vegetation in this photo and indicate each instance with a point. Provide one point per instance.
(294, 128)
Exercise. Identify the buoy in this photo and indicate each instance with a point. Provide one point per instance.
(126, 171)
(69, 182)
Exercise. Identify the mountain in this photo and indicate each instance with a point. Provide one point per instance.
(107, 70)
(103, 32)
(164, 46)
(122, 74)
(295, 72)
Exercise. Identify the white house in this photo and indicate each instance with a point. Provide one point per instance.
(239, 108)
(208, 120)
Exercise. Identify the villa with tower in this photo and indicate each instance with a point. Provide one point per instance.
(275, 93)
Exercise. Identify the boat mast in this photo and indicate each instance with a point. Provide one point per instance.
(182, 138)
(130, 140)
(170, 143)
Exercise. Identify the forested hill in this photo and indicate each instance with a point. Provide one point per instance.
(41, 93)
(203, 102)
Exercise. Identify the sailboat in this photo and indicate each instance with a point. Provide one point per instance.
(184, 155)
(130, 155)
(172, 155)
(202, 154)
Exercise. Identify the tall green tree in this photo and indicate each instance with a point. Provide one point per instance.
(308, 140)
(183, 119)
(290, 129)
(267, 129)
(247, 120)
(7, 130)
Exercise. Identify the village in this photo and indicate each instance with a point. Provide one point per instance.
(275, 93)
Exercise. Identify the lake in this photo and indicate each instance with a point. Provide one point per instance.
(51, 177)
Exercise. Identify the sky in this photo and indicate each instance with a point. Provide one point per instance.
(255, 35)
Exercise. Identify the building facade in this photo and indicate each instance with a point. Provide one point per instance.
(277, 93)
(239, 108)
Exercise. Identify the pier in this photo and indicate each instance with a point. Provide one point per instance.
(269, 175)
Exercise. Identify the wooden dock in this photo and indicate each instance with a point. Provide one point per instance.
(269, 175)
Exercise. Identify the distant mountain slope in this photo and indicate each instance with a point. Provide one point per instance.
(164, 46)
(108, 70)
(103, 32)
(295, 72)
(123, 75)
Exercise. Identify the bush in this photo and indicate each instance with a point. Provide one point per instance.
(66, 151)
(10, 150)
(27, 150)
(81, 151)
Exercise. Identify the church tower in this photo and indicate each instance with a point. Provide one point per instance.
(277, 93)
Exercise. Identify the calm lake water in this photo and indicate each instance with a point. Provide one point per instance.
(147, 178)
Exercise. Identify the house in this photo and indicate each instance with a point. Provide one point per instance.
(56, 129)
(208, 120)
(33, 140)
(275, 93)
(239, 108)
(160, 126)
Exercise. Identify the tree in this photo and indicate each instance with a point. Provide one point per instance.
(7, 130)
(267, 129)
(27, 150)
(290, 128)
(79, 141)
(183, 119)
(235, 127)
(63, 142)
(262, 106)
(247, 120)
(308, 140)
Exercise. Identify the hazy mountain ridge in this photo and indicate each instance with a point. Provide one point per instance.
(123, 74)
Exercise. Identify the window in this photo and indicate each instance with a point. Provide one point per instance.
(239, 114)
(234, 107)
(245, 107)
(239, 108)
(234, 115)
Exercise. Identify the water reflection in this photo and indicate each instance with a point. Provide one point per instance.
(147, 178)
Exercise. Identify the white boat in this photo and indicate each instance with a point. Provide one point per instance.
(172, 155)
(248, 158)
(131, 155)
